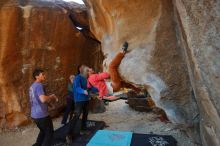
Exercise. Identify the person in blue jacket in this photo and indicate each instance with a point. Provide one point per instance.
(81, 95)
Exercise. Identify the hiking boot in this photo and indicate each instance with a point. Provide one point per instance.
(125, 47)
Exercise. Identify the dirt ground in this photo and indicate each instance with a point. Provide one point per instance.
(119, 116)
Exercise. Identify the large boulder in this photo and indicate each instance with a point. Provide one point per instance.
(174, 53)
(198, 35)
(154, 60)
(37, 35)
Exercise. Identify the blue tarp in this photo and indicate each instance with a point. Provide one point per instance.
(111, 138)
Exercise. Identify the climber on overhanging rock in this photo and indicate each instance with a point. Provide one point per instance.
(104, 87)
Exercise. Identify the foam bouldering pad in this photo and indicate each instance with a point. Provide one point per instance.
(152, 140)
(95, 125)
(71, 127)
(92, 126)
(110, 138)
(136, 140)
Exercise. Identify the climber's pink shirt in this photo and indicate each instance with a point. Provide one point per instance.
(98, 81)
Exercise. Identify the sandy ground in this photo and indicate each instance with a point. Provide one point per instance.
(118, 117)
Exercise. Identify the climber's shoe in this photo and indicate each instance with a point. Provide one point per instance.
(125, 47)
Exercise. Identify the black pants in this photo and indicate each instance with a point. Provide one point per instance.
(69, 110)
(45, 135)
(81, 108)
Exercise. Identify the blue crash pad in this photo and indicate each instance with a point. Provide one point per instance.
(111, 138)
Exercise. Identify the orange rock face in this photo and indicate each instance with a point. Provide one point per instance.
(37, 35)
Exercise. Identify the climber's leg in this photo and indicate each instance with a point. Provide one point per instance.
(113, 68)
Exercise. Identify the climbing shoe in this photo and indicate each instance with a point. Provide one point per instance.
(125, 47)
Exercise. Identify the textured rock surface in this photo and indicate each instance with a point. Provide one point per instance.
(154, 60)
(174, 52)
(37, 35)
(199, 27)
